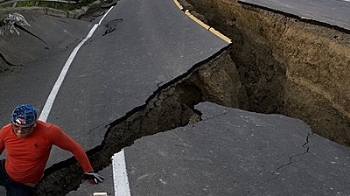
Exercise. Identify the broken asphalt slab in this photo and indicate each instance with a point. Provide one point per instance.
(187, 49)
(331, 12)
(262, 159)
(235, 152)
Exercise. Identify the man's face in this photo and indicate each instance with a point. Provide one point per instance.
(22, 131)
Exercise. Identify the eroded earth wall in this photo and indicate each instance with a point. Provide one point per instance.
(286, 64)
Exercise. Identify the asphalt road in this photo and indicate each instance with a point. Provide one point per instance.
(235, 152)
(37, 63)
(332, 12)
(152, 43)
(149, 43)
(139, 46)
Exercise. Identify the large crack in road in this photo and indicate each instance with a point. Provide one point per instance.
(287, 65)
(171, 106)
(265, 70)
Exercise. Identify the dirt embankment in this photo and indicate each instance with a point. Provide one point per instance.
(276, 64)
(286, 65)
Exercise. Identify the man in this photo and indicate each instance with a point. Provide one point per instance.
(28, 142)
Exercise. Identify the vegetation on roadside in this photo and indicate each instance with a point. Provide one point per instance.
(72, 5)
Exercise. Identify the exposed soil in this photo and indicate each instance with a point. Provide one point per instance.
(277, 63)
(178, 96)
(286, 65)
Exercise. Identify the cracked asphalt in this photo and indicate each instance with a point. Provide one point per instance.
(235, 152)
(229, 152)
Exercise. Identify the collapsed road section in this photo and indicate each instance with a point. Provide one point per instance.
(169, 107)
(287, 64)
(276, 64)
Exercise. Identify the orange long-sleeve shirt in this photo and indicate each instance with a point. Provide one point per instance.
(27, 157)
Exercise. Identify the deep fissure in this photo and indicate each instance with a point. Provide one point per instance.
(255, 73)
(171, 106)
(287, 65)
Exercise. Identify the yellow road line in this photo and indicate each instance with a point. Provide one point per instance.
(197, 20)
(217, 33)
(178, 5)
(211, 29)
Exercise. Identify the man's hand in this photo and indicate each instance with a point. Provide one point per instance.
(93, 177)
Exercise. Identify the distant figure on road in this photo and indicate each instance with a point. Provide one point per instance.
(28, 142)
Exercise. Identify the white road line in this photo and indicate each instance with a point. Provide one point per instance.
(120, 175)
(50, 100)
(121, 182)
(52, 96)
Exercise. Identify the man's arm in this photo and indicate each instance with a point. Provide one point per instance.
(2, 145)
(59, 138)
(62, 140)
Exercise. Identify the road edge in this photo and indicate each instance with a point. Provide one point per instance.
(209, 28)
